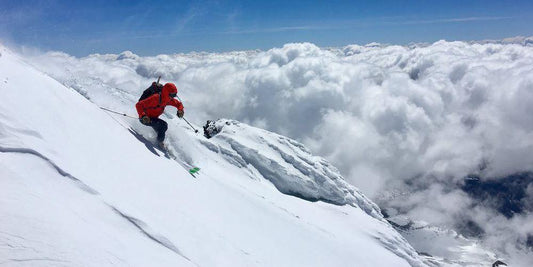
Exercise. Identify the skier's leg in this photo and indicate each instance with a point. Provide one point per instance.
(160, 126)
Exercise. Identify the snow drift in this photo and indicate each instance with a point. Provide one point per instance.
(78, 188)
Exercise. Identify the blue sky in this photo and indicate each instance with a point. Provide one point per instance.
(156, 27)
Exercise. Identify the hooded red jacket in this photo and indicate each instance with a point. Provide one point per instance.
(154, 105)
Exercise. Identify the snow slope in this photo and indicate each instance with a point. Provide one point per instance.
(286, 163)
(79, 187)
(445, 247)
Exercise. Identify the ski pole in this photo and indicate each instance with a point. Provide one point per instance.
(196, 131)
(123, 114)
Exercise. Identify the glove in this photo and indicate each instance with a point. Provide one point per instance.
(180, 113)
(145, 120)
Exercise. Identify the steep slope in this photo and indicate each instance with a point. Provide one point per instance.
(78, 188)
(286, 163)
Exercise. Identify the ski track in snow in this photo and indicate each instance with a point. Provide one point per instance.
(33, 260)
(63, 173)
(161, 240)
(143, 227)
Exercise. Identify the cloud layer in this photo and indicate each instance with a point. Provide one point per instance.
(404, 124)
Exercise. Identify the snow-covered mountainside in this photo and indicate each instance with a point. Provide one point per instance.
(83, 187)
(287, 164)
(443, 246)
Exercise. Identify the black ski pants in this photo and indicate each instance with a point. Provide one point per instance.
(160, 126)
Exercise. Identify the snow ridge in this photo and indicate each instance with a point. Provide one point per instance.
(287, 164)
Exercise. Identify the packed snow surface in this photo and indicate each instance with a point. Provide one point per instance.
(83, 187)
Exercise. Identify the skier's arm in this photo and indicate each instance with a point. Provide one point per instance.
(140, 109)
(176, 103)
(142, 105)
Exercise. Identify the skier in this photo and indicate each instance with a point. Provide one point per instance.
(150, 108)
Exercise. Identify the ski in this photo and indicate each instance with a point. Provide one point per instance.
(154, 148)
(192, 170)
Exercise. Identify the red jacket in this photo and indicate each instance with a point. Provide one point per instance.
(154, 105)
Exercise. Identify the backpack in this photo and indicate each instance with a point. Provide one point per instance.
(155, 88)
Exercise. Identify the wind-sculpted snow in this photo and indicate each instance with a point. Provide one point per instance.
(80, 184)
(287, 164)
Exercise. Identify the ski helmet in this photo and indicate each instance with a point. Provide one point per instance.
(170, 89)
